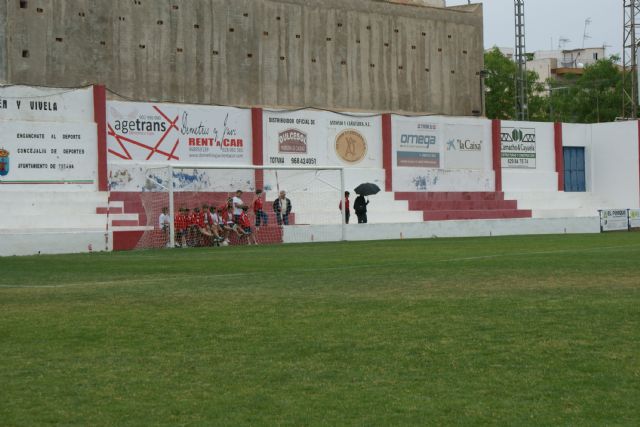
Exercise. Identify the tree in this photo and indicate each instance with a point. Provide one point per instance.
(500, 89)
(595, 96)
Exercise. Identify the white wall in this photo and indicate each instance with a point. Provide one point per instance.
(615, 163)
(539, 175)
(473, 228)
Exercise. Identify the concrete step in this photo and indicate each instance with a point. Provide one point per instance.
(443, 205)
(565, 213)
(53, 241)
(476, 214)
(450, 195)
(58, 222)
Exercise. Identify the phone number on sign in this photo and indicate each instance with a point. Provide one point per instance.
(303, 161)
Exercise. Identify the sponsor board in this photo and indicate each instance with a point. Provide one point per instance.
(293, 138)
(614, 219)
(174, 133)
(464, 146)
(320, 138)
(46, 104)
(634, 218)
(518, 147)
(416, 143)
(38, 153)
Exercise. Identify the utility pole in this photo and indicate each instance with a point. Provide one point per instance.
(630, 59)
(522, 111)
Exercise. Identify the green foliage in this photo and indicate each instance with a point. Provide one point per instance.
(594, 96)
(500, 89)
(538, 330)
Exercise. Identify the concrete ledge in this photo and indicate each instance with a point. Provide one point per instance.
(471, 228)
(54, 242)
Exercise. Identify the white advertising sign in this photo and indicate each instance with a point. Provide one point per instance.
(318, 138)
(174, 133)
(295, 138)
(634, 218)
(416, 143)
(46, 104)
(518, 147)
(464, 146)
(614, 219)
(48, 153)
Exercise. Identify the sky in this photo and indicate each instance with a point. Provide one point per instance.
(546, 21)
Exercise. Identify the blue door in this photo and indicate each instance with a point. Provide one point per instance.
(574, 177)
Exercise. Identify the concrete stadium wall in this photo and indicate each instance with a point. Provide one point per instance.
(334, 54)
(433, 229)
(3, 41)
(615, 163)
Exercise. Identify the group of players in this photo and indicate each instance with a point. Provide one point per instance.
(212, 226)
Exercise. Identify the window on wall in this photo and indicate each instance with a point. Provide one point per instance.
(595, 56)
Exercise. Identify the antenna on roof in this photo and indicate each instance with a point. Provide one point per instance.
(586, 35)
(562, 42)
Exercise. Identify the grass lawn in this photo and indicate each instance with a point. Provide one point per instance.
(536, 330)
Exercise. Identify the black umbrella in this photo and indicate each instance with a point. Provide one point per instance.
(367, 189)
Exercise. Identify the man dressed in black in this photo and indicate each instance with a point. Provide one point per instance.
(360, 206)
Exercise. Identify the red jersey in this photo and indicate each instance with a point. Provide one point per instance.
(257, 204)
(199, 219)
(192, 219)
(346, 203)
(180, 222)
(244, 220)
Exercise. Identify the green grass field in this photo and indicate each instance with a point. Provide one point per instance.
(537, 330)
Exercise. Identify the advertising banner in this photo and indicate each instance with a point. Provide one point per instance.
(614, 219)
(464, 146)
(417, 143)
(518, 145)
(319, 138)
(294, 138)
(46, 104)
(634, 218)
(174, 133)
(48, 153)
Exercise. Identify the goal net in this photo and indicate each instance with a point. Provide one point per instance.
(188, 206)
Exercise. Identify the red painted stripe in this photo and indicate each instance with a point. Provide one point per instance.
(557, 139)
(100, 117)
(257, 141)
(386, 152)
(496, 126)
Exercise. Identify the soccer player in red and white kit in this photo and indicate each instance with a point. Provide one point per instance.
(180, 224)
(245, 225)
(258, 203)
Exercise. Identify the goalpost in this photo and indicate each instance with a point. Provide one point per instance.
(193, 205)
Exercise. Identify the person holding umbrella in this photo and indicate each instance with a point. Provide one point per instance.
(360, 204)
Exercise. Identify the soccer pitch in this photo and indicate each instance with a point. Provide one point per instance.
(535, 330)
